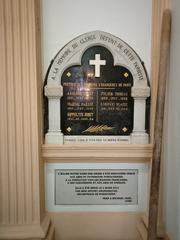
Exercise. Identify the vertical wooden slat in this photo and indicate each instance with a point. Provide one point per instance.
(27, 113)
(34, 117)
(156, 160)
(4, 190)
(11, 113)
(158, 6)
(19, 112)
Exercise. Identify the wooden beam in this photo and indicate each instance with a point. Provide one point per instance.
(97, 153)
(156, 160)
(158, 8)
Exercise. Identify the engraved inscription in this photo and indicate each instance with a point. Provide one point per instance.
(98, 186)
(97, 104)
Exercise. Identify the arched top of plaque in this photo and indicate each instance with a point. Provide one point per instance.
(104, 87)
(72, 53)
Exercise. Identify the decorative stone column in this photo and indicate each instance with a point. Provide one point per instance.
(22, 210)
(54, 94)
(139, 135)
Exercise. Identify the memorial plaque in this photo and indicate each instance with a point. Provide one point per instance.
(96, 89)
(97, 96)
(96, 187)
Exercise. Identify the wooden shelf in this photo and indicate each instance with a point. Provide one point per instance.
(97, 153)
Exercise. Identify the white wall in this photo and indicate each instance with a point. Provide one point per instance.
(64, 20)
(172, 132)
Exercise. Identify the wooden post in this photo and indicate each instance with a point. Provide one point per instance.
(156, 159)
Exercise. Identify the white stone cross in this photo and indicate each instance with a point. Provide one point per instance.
(98, 63)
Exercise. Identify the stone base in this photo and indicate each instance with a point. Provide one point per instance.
(25, 231)
(139, 138)
(54, 138)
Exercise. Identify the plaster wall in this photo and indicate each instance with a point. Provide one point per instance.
(64, 20)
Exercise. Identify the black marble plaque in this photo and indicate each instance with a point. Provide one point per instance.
(94, 105)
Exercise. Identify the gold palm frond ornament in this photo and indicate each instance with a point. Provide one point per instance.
(98, 128)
